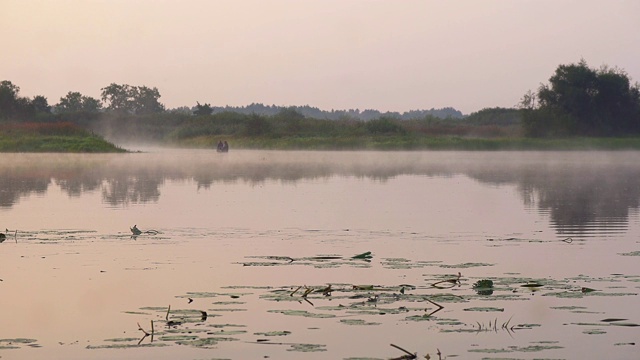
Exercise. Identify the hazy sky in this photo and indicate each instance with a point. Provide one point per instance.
(389, 55)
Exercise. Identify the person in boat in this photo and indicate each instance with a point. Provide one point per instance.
(220, 146)
(225, 147)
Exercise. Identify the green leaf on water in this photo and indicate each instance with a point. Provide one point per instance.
(568, 307)
(357, 322)
(533, 285)
(483, 284)
(178, 337)
(365, 255)
(123, 339)
(226, 332)
(307, 347)
(18, 341)
(632, 253)
(302, 313)
(205, 342)
(624, 324)
(464, 265)
(485, 309)
(125, 346)
(274, 333)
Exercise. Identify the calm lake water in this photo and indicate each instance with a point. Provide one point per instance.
(249, 242)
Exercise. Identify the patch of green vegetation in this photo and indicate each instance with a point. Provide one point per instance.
(416, 142)
(274, 333)
(485, 309)
(125, 346)
(530, 348)
(122, 339)
(632, 253)
(307, 347)
(205, 343)
(594, 332)
(425, 317)
(178, 337)
(464, 265)
(51, 137)
(18, 341)
(358, 322)
(580, 294)
(226, 332)
(302, 313)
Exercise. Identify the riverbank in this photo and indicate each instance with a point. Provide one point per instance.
(52, 137)
(414, 143)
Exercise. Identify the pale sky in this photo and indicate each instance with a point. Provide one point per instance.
(388, 55)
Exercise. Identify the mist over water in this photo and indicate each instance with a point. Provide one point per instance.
(582, 193)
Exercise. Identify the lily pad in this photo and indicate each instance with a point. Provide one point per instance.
(357, 322)
(302, 313)
(464, 265)
(485, 309)
(274, 333)
(307, 348)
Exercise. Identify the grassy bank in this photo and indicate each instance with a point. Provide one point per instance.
(386, 142)
(51, 137)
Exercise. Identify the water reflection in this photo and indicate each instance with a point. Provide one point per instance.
(579, 191)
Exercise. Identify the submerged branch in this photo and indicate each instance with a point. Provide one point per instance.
(403, 357)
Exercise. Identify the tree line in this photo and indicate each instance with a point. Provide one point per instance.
(143, 100)
(125, 99)
(577, 101)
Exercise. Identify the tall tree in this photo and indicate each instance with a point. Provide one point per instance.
(119, 98)
(76, 102)
(132, 99)
(205, 109)
(582, 101)
(146, 100)
(41, 104)
(91, 104)
(8, 99)
(72, 102)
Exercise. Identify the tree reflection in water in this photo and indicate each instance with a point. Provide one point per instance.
(578, 190)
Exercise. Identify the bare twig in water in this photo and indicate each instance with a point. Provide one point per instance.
(453, 282)
(296, 290)
(167, 316)
(135, 231)
(146, 333)
(143, 330)
(440, 307)
(142, 339)
(307, 300)
(403, 357)
(307, 291)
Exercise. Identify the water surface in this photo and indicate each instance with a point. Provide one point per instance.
(241, 234)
